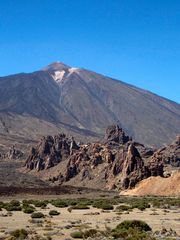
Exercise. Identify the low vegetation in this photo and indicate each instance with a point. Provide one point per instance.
(19, 234)
(13, 205)
(77, 234)
(126, 230)
(28, 209)
(37, 215)
(80, 207)
(119, 203)
(59, 203)
(103, 204)
(54, 213)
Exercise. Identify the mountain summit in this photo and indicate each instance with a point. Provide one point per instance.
(82, 103)
(56, 66)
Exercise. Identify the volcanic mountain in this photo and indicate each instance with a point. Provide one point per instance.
(82, 103)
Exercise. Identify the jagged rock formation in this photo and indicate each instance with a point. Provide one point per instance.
(116, 160)
(50, 151)
(13, 153)
(115, 134)
(129, 167)
(169, 155)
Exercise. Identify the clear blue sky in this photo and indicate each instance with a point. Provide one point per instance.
(137, 41)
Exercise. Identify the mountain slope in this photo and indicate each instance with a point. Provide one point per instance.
(84, 102)
(147, 117)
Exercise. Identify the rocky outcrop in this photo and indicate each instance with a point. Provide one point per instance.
(84, 161)
(115, 134)
(132, 167)
(12, 154)
(117, 160)
(50, 151)
(169, 155)
(129, 167)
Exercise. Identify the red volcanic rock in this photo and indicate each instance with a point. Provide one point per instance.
(133, 160)
(118, 162)
(134, 169)
(169, 155)
(50, 151)
(115, 134)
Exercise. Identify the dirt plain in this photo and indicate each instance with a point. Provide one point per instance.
(60, 227)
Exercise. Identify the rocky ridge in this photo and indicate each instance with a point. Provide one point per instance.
(117, 160)
(170, 154)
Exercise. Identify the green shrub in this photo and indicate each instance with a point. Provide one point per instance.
(59, 203)
(131, 234)
(37, 215)
(1, 204)
(132, 230)
(15, 203)
(84, 201)
(41, 204)
(71, 202)
(19, 234)
(141, 205)
(123, 208)
(103, 204)
(27, 202)
(80, 206)
(107, 207)
(90, 233)
(132, 224)
(10, 207)
(54, 213)
(28, 209)
(77, 234)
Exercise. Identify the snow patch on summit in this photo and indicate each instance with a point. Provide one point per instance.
(58, 75)
(73, 70)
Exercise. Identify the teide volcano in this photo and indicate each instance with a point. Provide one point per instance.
(82, 103)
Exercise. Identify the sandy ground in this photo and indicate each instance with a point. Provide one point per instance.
(157, 186)
(59, 227)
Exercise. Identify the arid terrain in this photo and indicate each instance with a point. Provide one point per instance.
(95, 167)
(82, 215)
(89, 120)
(157, 186)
